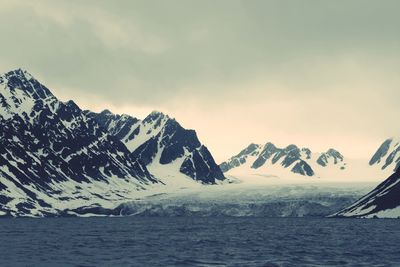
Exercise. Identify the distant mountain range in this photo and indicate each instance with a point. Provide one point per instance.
(55, 157)
(59, 160)
(291, 159)
(271, 161)
(382, 202)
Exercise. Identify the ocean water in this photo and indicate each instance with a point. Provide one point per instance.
(199, 241)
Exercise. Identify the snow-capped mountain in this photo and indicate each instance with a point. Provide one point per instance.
(382, 202)
(56, 159)
(163, 145)
(51, 152)
(387, 157)
(270, 160)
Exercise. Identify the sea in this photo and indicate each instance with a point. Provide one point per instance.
(199, 241)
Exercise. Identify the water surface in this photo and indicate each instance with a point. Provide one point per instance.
(199, 241)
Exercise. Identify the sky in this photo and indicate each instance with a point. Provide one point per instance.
(318, 74)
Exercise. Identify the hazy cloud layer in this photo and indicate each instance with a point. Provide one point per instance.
(316, 73)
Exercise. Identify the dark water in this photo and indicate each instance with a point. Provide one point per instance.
(211, 241)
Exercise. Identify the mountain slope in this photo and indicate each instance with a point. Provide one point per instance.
(271, 160)
(382, 202)
(163, 145)
(53, 156)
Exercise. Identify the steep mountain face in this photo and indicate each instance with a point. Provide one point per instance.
(162, 144)
(382, 202)
(297, 160)
(51, 153)
(387, 156)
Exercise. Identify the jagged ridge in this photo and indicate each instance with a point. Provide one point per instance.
(298, 160)
(51, 153)
(159, 139)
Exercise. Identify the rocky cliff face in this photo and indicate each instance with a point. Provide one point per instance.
(160, 140)
(48, 146)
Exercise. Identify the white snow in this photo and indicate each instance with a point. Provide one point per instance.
(146, 132)
(389, 213)
(20, 102)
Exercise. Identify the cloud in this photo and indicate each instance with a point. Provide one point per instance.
(109, 28)
(311, 72)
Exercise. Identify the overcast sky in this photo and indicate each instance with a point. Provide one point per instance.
(316, 73)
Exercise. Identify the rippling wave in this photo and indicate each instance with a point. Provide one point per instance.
(199, 241)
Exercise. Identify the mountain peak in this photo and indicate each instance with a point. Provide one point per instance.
(330, 155)
(248, 150)
(106, 112)
(24, 81)
(157, 113)
(155, 116)
(19, 73)
(21, 93)
(387, 155)
(72, 104)
(333, 152)
(269, 145)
